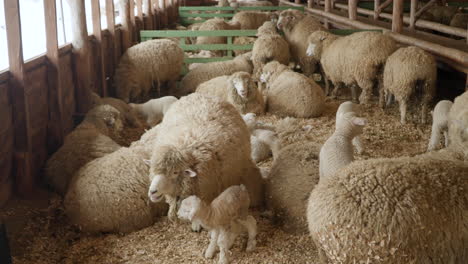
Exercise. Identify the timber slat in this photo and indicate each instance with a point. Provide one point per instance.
(99, 58)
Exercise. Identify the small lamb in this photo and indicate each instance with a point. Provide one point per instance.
(224, 218)
(263, 138)
(439, 124)
(337, 152)
(346, 107)
(154, 109)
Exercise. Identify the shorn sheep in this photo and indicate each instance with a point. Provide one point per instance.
(439, 124)
(290, 93)
(297, 26)
(238, 89)
(225, 218)
(203, 147)
(92, 139)
(350, 107)
(268, 47)
(410, 74)
(252, 19)
(211, 70)
(152, 61)
(398, 210)
(153, 110)
(337, 152)
(356, 59)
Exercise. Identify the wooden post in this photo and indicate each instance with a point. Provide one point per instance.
(97, 32)
(413, 13)
(327, 10)
(297, 2)
(423, 9)
(5, 255)
(124, 12)
(139, 5)
(149, 14)
(115, 54)
(131, 11)
(397, 21)
(376, 8)
(55, 132)
(24, 178)
(352, 9)
(81, 52)
(310, 3)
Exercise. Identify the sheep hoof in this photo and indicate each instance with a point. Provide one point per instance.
(209, 254)
(196, 227)
(251, 245)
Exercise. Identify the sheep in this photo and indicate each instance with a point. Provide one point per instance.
(129, 115)
(108, 194)
(440, 14)
(253, 19)
(297, 26)
(201, 54)
(238, 89)
(234, 3)
(263, 138)
(345, 108)
(292, 177)
(151, 61)
(224, 217)
(202, 148)
(92, 139)
(410, 73)
(337, 151)
(242, 41)
(215, 24)
(155, 109)
(290, 93)
(211, 70)
(458, 124)
(356, 59)
(439, 124)
(394, 210)
(268, 47)
(459, 20)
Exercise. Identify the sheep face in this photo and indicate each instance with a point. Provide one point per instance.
(188, 208)
(288, 19)
(269, 69)
(110, 115)
(350, 123)
(250, 120)
(241, 82)
(315, 41)
(168, 168)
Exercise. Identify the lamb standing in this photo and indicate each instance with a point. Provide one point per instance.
(263, 138)
(347, 107)
(155, 109)
(439, 124)
(225, 218)
(151, 61)
(238, 89)
(290, 93)
(458, 124)
(410, 74)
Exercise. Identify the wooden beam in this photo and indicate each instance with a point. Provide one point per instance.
(81, 52)
(24, 178)
(127, 29)
(352, 10)
(97, 32)
(376, 9)
(327, 10)
(423, 9)
(397, 21)
(310, 3)
(149, 15)
(384, 5)
(113, 60)
(131, 10)
(413, 6)
(55, 131)
(139, 5)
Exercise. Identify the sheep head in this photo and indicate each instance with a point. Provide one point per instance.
(106, 115)
(288, 19)
(189, 207)
(349, 123)
(268, 28)
(241, 82)
(168, 167)
(317, 41)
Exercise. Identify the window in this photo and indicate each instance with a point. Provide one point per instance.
(3, 40)
(32, 28)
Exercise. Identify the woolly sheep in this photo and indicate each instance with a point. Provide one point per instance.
(108, 194)
(225, 218)
(263, 138)
(292, 177)
(202, 148)
(238, 89)
(128, 114)
(151, 61)
(399, 210)
(215, 24)
(410, 73)
(290, 93)
(242, 41)
(439, 124)
(459, 20)
(92, 139)
(440, 14)
(201, 54)
(211, 70)
(347, 107)
(297, 26)
(268, 47)
(356, 59)
(153, 110)
(458, 124)
(337, 152)
(253, 19)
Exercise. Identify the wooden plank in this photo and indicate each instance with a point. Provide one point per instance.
(131, 9)
(24, 177)
(397, 21)
(112, 63)
(149, 23)
(55, 127)
(376, 9)
(7, 143)
(127, 29)
(97, 32)
(352, 10)
(327, 10)
(68, 94)
(414, 3)
(189, 33)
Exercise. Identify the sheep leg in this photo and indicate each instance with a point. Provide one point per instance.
(402, 112)
(382, 98)
(354, 93)
(446, 138)
(251, 225)
(325, 79)
(435, 137)
(196, 226)
(357, 143)
(334, 93)
(424, 113)
(211, 249)
(223, 244)
(172, 213)
(366, 86)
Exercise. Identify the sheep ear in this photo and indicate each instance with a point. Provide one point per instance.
(147, 161)
(359, 121)
(189, 172)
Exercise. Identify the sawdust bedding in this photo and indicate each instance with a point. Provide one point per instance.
(46, 237)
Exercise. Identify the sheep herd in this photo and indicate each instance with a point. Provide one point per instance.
(198, 159)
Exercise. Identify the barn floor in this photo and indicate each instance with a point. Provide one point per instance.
(40, 233)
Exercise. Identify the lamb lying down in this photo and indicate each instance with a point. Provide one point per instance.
(225, 218)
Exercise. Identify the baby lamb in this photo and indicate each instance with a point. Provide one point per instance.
(153, 110)
(337, 152)
(439, 123)
(345, 108)
(224, 218)
(263, 138)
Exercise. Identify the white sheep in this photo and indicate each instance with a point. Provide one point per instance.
(93, 138)
(129, 116)
(253, 19)
(152, 61)
(203, 147)
(224, 217)
(238, 89)
(439, 124)
(350, 107)
(458, 124)
(337, 152)
(153, 110)
(263, 138)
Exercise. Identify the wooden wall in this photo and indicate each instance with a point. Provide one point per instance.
(37, 89)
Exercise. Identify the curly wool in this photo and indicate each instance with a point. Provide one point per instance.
(252, 19)
(215, 24)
